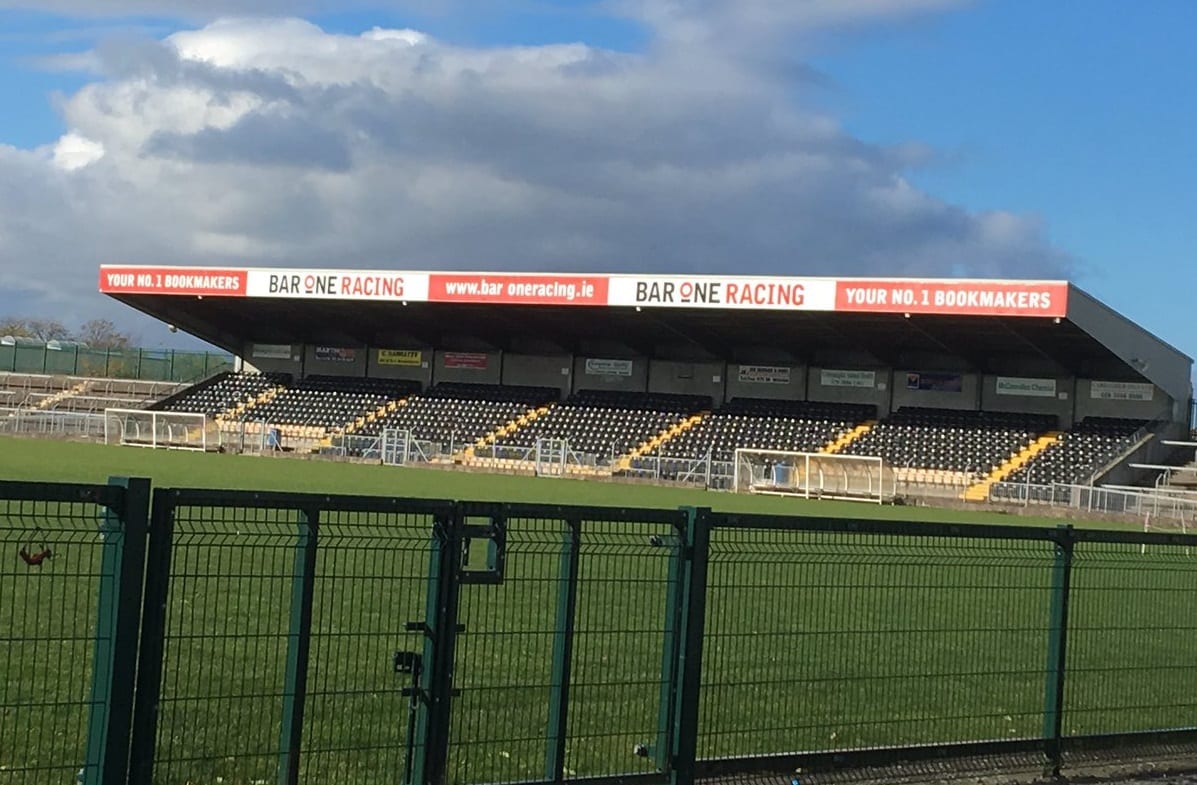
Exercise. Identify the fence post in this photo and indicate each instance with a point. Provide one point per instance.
(675, 602)
(151, 647)
(299, 644)
(684, 745)
(430, 747)
(563, 646)
(122, 562)
(1053, 712)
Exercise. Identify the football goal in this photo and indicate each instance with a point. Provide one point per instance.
(166, 430)
(814, 475)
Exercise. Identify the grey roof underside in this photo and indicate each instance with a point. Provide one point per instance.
(1157, 361)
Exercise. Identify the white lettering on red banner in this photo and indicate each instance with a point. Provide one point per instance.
(505, 289)
(942, 297)
(172, 280)
(965, 298)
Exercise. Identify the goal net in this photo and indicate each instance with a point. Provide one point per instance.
(813, 475)
(166, 430)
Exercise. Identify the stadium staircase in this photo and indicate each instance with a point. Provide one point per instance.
(361, 422)
(231, 415)
(506, 429)
(678, 428)
(50, 401)
(979, 492)
(847, 438)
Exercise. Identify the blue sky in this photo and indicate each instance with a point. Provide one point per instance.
(1077, 117)
(1082, 113)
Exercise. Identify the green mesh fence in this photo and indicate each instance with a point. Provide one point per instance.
(291, 638)
(155, 365)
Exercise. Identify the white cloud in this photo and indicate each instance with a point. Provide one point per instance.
(270, 141)
(73, 151)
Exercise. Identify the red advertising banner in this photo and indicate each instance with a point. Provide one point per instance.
(475, 360)
(938, 297)
(954, 298)
(173, 280)
(517, 289)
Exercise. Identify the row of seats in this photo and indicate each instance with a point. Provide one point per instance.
(1090, 446)
(460, 414)
(80, 394)
(766, 425)
(328, 401)
(607, 423)
(958, 441)
(223, 392)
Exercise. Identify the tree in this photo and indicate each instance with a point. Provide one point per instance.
(102, 334)
(38, 329)
(97, 333)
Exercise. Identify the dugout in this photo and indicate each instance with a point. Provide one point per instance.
(1022, 346)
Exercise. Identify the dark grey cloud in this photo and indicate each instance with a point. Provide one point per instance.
(258, 139)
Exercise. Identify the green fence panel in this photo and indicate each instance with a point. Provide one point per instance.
(846, 635)
(189, 366)
(516, 716)
(92, 362)
(60, 362)
(70, 576)
(29, 359)
(1132, 642)
(123, 364)
(154, 365)
(227, 656)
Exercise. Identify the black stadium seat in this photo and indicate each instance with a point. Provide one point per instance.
(1081, 453)
(328, 401)
(457, 415)
(606, 423)
(948, 440)
(798, 426)
(222, 393)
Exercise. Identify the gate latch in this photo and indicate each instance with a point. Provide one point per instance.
(407, 662)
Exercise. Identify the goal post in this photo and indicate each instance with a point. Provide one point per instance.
(814, 475)
(159, 430)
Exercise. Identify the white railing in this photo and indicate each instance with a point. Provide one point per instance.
(1096, 499)
(36, 422)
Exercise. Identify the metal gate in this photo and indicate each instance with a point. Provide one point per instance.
(564, 664)
(293, 630)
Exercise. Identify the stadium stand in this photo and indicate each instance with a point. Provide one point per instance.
(460, 414)
(224, 395)
(80, 395)
(326, 402)
(963, 442)
(766, 425)
(607, 423)
(1082, 452)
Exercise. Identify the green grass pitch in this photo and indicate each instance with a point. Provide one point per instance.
(814, 640)
(23, 459)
